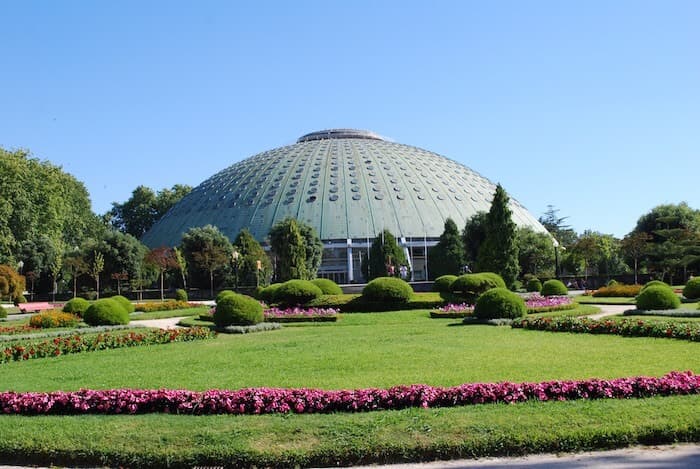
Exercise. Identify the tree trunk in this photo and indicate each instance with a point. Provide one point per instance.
(161, 285)
(635, 271)
(211, 283)
(97, 284)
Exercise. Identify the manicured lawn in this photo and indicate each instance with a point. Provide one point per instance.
(360, 350)
(605, 300)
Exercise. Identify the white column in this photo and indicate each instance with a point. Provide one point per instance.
(351, 270)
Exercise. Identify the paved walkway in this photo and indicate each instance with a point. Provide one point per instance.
(167, 323)
(610, 310)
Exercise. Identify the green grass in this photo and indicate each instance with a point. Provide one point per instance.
(581, 310)
(613, 300)
(380, 350)
(407, 435)
(169, 314)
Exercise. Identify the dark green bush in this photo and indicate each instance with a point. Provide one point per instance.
(443, 283)
(554, 287)
(126, 304)
(180, 295)
(222, 294)
(327, 286)
(533, 284)
(500, 303)
(269, 293)
(470, 286)
(76, 306)
(387, 290)
(19, 299)
(692, 289)
(239, 310)
(611, 283)
(3, 312)
(657, 297)
(653, 283)
(89, 295)
(297, 292)
(106, 312)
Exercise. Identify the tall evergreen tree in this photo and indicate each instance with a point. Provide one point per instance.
(447, 256)
(314, 249)
(385, 257)
(499, 251)
(250, 252)
(473, 236)
(289, 247)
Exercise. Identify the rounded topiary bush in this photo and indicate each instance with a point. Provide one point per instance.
(443, 283)
(611, 283)
(533, 285)
(19, 299)
(554, 287)
(327, 286)
(500, 303)
(106, 312)
(388, 290)
(657, 297)
(181, 295)
(493, 278)
(235, 309)
(128, 305)
(77, 306)
(471, 286)
(692, 289)
(222, 294)
(297, 292)
(654, 283)
(269, 293)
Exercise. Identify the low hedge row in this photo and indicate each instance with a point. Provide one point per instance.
(168, 305)
(307, 401)
(260, 327)
(355, 303)
(77, 344)
(618, 290)
(626, 327)
(671, 313)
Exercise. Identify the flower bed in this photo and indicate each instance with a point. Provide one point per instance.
(20, 329)
(275, 400)
(301, 314)
(77, 344)
(544, 304)
(626, 327)
(453, 311)
(671, 313)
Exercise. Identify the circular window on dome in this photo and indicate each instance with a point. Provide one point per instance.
(333, 197)
(314, 175)
(355, 189)
(400, 196)
(333, 182)
(291, 192)
(397, 189)
(294, 184)
(356, 197)
(440, 197)
(458, 197)
(314, 183)
(417, 189)
(379, 196)
(311, 199)
(393, 181)
(376, 189)
(421, 197)
(372, 173)
(312, 190)
(289, 200)
(333, 190)
(353, 181)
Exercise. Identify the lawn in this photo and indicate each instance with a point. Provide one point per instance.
(360, 350)
(612, 300)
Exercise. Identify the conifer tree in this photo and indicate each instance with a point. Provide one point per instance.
(385, 258)
(499, 251)
(447, 256)
(246, 264)
(289, 247)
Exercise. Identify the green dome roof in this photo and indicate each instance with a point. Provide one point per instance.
(345, 183)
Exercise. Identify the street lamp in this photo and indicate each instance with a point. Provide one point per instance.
(234, 257)
(258, 265)
(20, 265)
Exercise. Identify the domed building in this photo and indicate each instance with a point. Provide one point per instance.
(349, 185)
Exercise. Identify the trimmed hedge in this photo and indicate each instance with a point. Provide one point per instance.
(500, 303)
(297, 292)
(554, 287)
(443, 284)
(692, 289)
(126, 304)
(533, 285)
(356, 303)
(181, 295)
(106, 312)
(471, 286)
(222, 294)
(390, 290)
(653, 283)
(76, 306)
(53, 318)
(168, 305)
(657, 297)
(327, 286)
(269, 293)
(239, 310)
(618, 290)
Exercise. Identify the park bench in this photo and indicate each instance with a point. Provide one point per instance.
(35, 307)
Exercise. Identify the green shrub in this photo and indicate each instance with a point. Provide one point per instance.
(168, 305)
(54, 318)
(19, 299)
(554, 287)
(533, 284)
(76, 306)
(181, 295)
(126, 304)
(653, 283)
(327, 286)
(657, 297)
(500, 303)
(89, 295)
(3, 313)
(611, 283)
(297, 292)
(239, 310)
(106, 312)
(269, 293)
(222, 294)
(618, 290)
(443, 283)
(692, 289)
(387, 290)
(471, 286)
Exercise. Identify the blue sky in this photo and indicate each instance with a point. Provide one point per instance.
(590, 106)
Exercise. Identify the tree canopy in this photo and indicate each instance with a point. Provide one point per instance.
(250, 252)
(144, 208)
(385, 257)
(499, 251)
(447, 256)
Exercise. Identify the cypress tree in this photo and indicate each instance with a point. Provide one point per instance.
(289, 246)
(447, 256)
(246, 266)
(385, 256)
(499, 251)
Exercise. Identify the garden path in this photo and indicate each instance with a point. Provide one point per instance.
(167, 323)
(610, 310)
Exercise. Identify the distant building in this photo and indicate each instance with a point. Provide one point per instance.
(349, 185)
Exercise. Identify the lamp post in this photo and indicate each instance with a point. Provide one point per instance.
(258, 265)
(20, 265)
(234, 257)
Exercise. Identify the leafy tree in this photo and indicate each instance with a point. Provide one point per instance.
(289, 247)
(95, 268)
(11, 282)
(56, 265)
(634, 246)
(314, 249)
(246, 266)
(208, 253)
(40, 201)
(473, 236)
(499, 251)
(385, 257)
(564, 234)
(447, 256)
(181, 266)
(535, 253)
(121, 252)
(76, 266)
(163, 259)
(145, 207)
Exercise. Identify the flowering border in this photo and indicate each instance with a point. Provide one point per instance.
(625, 327)
(77, 343)
(304, 401)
